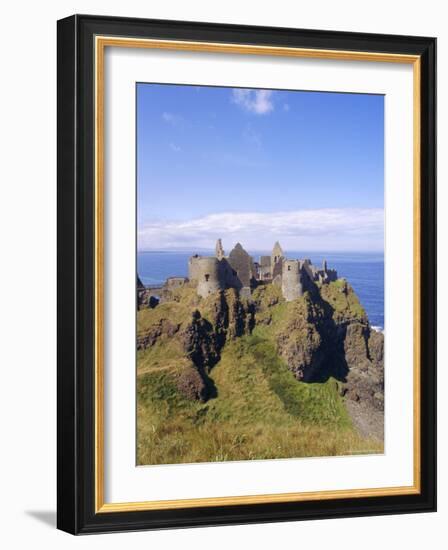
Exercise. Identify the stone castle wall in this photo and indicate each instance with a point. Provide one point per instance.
(208, 273)
(193, 268)
(213, 273)
(242, 265)
(175, 282)
(292, 286)
(238, 270)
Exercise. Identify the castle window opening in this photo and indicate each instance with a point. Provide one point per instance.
(207, 276)
(289, 268)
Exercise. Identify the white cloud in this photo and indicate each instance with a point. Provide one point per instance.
(254, 101)
(320, 229)
(175, 147)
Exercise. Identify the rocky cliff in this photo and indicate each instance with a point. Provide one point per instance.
(198, 329)
(321, 335)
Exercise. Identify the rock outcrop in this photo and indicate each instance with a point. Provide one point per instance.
(163, 327)
(201, 335)
(324, 333)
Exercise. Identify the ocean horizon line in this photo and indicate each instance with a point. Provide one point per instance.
(257, 251)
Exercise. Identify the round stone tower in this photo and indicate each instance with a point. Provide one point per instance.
(193, 263)
(292, 287)
(208, 275)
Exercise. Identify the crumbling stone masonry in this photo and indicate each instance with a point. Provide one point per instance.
(239, 271)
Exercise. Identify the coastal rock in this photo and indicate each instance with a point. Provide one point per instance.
(376, 346)
(164, 327)
(364, 356)
(356, 346)
(192, 385)
(299, 342)
(324, 333)
(224, 317)
(200, 342)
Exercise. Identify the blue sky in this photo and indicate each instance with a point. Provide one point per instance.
(305, 168)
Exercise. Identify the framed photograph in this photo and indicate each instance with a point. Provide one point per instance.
(246, 274)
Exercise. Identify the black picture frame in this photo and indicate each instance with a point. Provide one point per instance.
(76, 285)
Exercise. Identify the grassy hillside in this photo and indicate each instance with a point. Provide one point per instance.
(259, 411)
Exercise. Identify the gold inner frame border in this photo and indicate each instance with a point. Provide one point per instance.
(100, 44)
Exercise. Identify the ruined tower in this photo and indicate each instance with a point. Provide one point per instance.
(277, 258)
(238, 270)
(208, 274)
(219, 250)
(277, 253)
(292, 284)
(264, 268)
(193, 264)
(243, 269)
(309, 269)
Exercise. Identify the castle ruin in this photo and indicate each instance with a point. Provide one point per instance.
(238, 270)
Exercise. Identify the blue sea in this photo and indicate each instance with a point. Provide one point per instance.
(364, 271)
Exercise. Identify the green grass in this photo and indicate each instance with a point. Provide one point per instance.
(317, 403)
(261, 411)
(346, 304)
(179, 310)
(166, 354)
